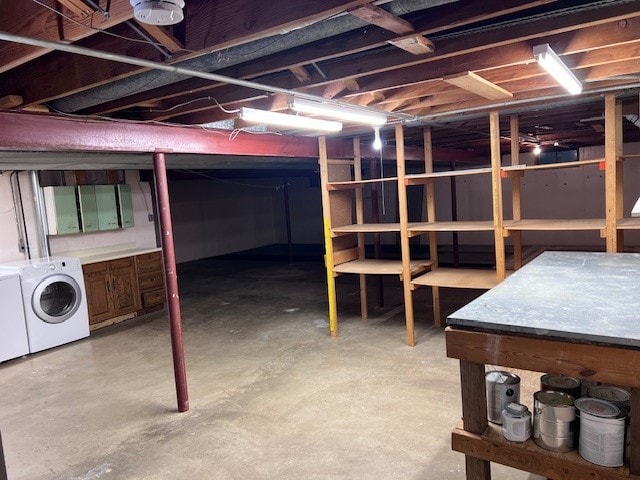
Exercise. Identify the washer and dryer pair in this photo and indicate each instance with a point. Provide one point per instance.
(47, 305)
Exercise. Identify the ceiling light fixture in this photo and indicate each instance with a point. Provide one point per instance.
(347, 114)
(377, 142)
(284, 120)
(158, 12)
(548, 60)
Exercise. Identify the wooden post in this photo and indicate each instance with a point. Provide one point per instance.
(375, 218)
(496, 189)
(404, 236)
(516, 191)
(613, 176)
(430, 199)
(474, 413)
(328, 242)
(287, 217)
(357, 175)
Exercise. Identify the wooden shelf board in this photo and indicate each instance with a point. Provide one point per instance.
(417, 179)
(492, 446)
(550, 166)
(631, 223)
(380, 267)
(555, 224)
(366, 228)
(458, 278)
(457, 226)
(350, 185)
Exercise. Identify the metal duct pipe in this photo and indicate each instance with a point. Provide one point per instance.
(88, 52)
(41, 215)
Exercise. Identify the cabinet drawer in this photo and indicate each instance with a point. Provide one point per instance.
(150, 281)
(153, 258)
(151, 299)
(95, 267)
(121, 263)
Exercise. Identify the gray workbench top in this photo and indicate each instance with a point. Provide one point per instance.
(583, 296)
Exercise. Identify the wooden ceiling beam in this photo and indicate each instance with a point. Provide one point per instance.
(77, 7)
(162, 36)
(473, 83)
(381, 18)
(417, 45)
(38, 22)
(438, 19)
(300, 73)
(10, 101)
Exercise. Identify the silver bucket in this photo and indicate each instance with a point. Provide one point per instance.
(554, 421)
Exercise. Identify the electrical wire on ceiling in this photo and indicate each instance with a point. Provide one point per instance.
(208, 97)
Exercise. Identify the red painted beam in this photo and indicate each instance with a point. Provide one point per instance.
(31, 132)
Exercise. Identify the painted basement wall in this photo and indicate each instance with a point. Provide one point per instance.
(142, 235)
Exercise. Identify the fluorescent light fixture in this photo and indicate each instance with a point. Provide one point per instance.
(345, 113)
(548, 60)
(284, 120)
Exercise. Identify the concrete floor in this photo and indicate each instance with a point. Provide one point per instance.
(272, 395)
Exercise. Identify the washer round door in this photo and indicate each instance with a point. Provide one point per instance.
(56, 298)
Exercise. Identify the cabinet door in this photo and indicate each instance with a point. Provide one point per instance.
(125, 205)
(107, 210)
(96, 280)
(62, 210)
(88, 208)
(124, 287)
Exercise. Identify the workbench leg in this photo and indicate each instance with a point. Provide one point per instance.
(634, 466)
(437, 319)
(474, 413)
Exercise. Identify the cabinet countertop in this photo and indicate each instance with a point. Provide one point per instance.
(113, 255)
(582, 296)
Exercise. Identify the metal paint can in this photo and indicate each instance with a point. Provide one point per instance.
(616, 395)
(561, 383)
(502, 388)
(554, 421)
(602, 426)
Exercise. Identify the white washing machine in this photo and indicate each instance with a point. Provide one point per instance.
(54, 299)
(13, 341)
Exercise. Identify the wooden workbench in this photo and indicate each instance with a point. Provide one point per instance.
(571, 313)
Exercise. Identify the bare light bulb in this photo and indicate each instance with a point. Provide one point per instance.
(377, 142)
(537, 150)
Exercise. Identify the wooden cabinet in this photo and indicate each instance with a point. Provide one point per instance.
(150, 281)
(112, 289)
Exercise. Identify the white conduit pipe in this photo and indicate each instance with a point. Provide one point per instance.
(88, 52)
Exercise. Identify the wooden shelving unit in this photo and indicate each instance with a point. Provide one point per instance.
(345, 227)
(458, 278)
(556, 224)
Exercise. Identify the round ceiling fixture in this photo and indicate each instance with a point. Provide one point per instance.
(158, 12)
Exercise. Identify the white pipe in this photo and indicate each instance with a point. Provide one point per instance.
(88, 52)
(41, 216)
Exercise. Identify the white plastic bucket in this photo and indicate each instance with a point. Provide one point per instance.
(602, 427)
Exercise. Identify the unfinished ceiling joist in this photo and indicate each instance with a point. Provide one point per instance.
(77, 7)
(473, 83)
(417, 45)
(10, 101)
(300, 73)
(161, 34)
(381, 18)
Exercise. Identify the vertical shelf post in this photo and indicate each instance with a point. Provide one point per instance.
(613, 172)
(357, 175)
(404, 235)
(516, 189)
(496, 190)
(328, 242)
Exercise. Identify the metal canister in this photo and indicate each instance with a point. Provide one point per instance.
(616, 395)
(554, 421)
(602, 426)
(502, 388)
(561, 383)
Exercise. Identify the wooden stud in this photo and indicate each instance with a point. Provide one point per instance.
(404, 235)
(300, 73)
(357, 175)
(473, 83)
(516, 189)
(611, 153)
(496, 189)
(382, 18)
(326, 214)
(417, 45)
(10, 101)
(163, 36)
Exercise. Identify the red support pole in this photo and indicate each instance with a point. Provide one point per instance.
(168, 250)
